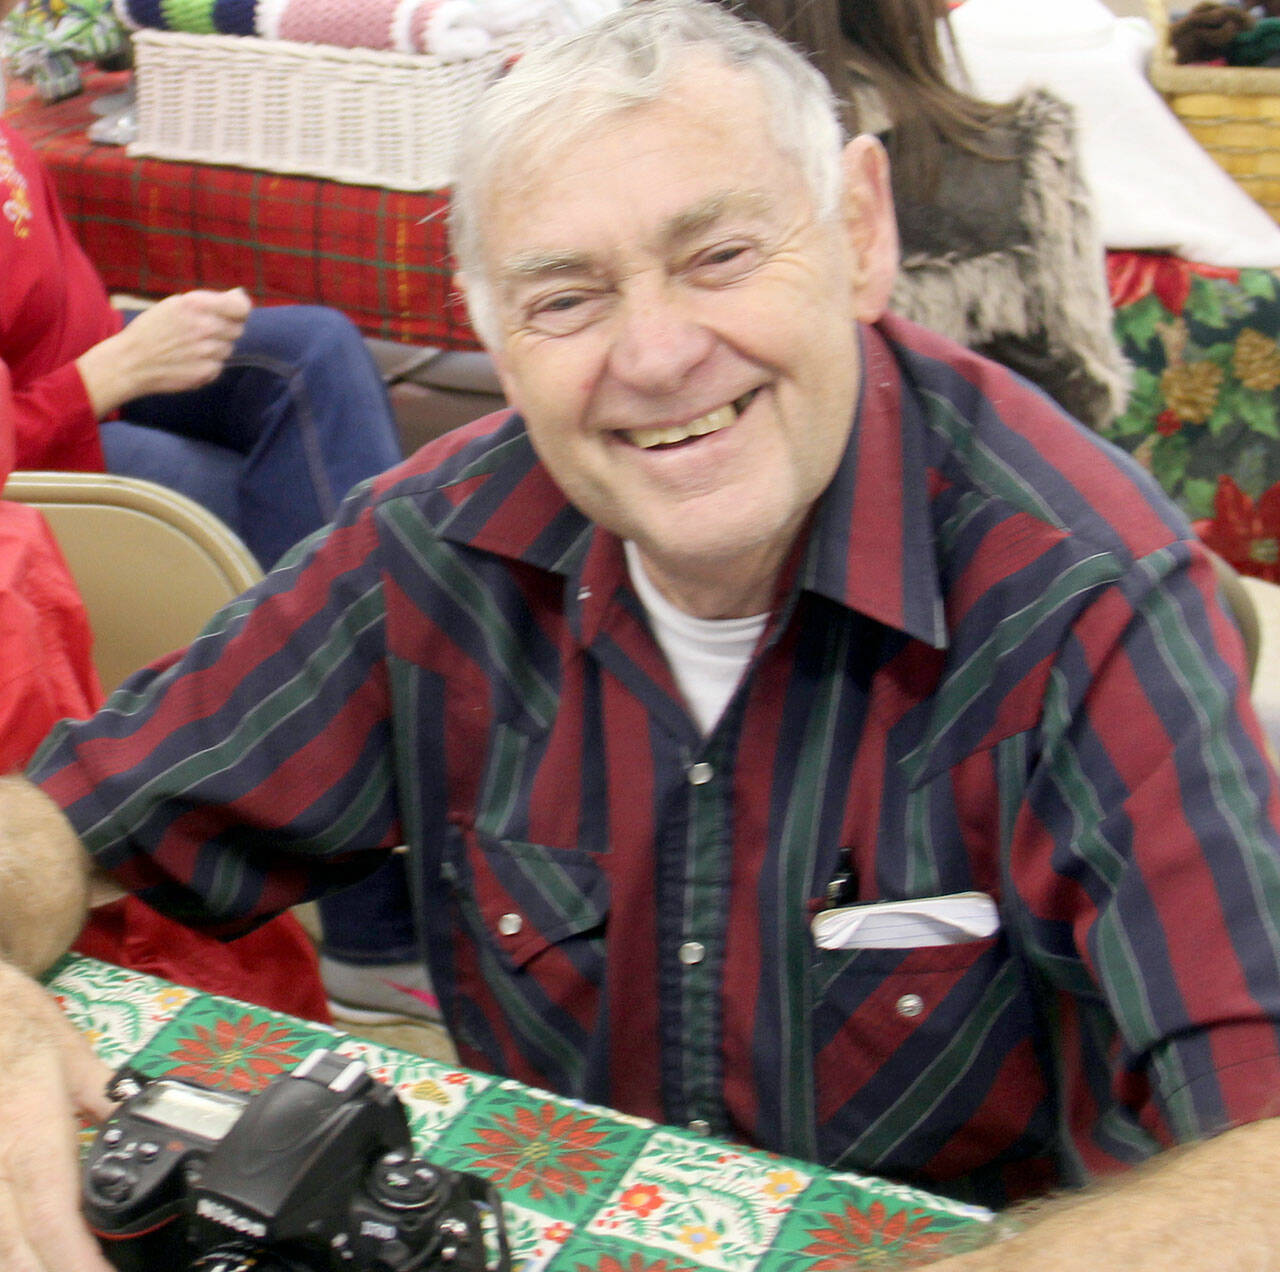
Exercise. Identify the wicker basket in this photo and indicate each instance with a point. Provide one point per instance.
(1232, 111)
(361, 116)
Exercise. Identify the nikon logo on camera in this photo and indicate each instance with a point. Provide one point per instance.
(224, 1215)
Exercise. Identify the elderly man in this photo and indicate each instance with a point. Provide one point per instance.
(763, 612)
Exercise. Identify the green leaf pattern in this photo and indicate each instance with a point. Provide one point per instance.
(1237, 437)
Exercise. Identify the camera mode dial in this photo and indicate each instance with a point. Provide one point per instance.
(113, 1176)
(401, 1182)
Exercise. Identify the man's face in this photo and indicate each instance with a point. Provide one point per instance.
(678, 331)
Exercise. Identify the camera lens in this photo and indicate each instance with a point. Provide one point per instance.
(244, 1259)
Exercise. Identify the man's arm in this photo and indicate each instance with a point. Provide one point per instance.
(1199, 804)
(1208, 1207)
(48, 1073)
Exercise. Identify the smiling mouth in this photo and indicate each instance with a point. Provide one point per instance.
(674, 434)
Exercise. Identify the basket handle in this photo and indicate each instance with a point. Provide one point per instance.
(1158, 16)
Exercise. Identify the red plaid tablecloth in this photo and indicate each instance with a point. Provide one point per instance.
(154, 227)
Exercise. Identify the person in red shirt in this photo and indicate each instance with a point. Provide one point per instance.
(46, 665)
(47, 674)
(266, 416)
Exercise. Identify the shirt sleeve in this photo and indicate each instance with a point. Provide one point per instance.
(55, 424)
(53, 307)
(1149, 868)
(253, 770)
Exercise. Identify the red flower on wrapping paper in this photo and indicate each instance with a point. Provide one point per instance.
(1245, 532)
(634, 1263)
(1168, 423)
(854, 1238)
(243, 1054)
(641, 1199)
(1133, 275)
(546, 1149)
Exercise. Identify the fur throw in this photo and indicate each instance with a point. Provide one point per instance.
(1006, 260)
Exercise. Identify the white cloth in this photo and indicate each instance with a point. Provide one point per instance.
(1153, 186)
(1266, 676)
(707, 656)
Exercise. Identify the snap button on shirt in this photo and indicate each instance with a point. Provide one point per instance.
(692, 952)
(510, 924)
(910, 1005)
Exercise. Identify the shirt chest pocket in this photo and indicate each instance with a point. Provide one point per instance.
(924, 1059)
(520, 901)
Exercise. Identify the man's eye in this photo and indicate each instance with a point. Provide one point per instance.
(725, 263)
(563, 312)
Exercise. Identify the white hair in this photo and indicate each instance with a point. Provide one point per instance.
(560, 89)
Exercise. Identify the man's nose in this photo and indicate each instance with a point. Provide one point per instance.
(658, 340)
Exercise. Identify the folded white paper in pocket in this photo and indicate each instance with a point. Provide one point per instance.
(878, 925)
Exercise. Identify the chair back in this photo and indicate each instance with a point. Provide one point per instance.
(151, 565)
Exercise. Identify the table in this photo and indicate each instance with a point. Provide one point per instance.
(154, 227)
(584, 1189)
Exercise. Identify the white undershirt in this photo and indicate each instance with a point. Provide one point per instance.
(707, 655)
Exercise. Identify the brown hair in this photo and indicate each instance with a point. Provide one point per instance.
(813, 27)
(895, 44)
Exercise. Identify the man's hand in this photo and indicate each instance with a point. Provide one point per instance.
(47, 1074)
(180, 343)
(1209, 1207)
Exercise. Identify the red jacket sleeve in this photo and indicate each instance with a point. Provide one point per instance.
(53, 307)
(54, 424)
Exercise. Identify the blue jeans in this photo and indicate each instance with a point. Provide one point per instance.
(297, 417)
(372, 921)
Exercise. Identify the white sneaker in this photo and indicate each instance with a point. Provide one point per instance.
(379, 993)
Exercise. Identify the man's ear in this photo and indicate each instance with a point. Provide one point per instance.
(870, 224)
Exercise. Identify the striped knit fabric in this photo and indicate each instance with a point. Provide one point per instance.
(450, 28)
(996, 663)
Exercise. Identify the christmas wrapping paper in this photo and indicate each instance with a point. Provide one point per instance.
(584, 1189)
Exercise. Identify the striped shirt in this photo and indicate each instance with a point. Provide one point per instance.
(995, 663)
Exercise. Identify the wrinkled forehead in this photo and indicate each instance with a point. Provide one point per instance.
(706, 105)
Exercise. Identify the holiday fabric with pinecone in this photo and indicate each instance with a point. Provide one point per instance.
(1204, 411)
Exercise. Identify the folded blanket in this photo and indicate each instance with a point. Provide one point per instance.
(1154, 187)
(452, 29)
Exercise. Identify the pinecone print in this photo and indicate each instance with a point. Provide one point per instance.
(429, 1089)
(1256, 361)
(1191, 389)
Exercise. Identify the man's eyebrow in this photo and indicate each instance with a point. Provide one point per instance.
(534, 267)
(537, 265)
(703, 216)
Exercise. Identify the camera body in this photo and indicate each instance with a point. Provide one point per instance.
(314, 1173)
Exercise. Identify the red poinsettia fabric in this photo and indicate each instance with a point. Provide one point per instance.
(1246, 532)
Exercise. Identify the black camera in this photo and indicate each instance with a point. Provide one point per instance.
(314, 1173)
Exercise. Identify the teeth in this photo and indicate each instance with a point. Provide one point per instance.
(720, 418)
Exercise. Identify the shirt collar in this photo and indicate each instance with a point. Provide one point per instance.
(870, 542)
(871, 547)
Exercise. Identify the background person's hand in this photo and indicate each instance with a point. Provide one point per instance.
(182, 342)
(48, 1074)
